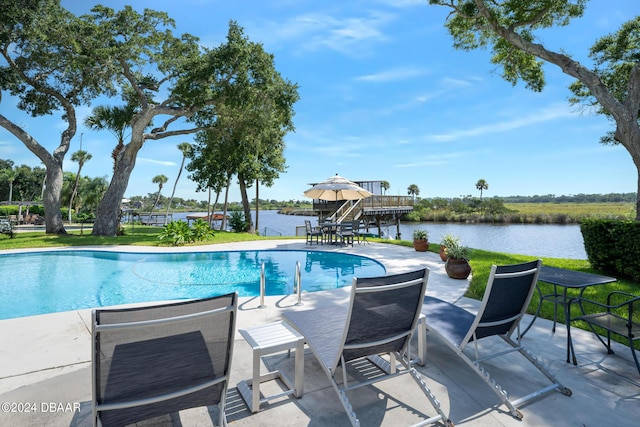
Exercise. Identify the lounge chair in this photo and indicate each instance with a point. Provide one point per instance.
(507, 296)
(379, 320)
(158, 360)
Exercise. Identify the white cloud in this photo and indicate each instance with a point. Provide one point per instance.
(351, 36)
(431, 160)
(394, 74)
(157, 162)
(449, 82)
(553, 112)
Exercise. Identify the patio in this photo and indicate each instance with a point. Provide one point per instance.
(46, 365)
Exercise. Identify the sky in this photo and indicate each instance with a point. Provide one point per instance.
(384, 96)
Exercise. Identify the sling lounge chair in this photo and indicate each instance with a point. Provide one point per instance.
(379, 320)
(159, 360)
(505, 301)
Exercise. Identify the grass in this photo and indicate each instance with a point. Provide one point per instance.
(574, 209)
(481, 261)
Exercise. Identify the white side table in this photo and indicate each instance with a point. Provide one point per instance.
(268, 339)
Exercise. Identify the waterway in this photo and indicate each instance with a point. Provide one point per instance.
(544, 240)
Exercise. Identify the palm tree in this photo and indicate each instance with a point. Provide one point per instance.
(160, 180)
(9, 175)
(413, 190)
(186, 149)
(114, 119)
(81, 157)
(482, 185)
(385, 186)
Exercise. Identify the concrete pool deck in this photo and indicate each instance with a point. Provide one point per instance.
(45, 362)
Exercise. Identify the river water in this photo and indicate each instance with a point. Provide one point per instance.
(544, 240)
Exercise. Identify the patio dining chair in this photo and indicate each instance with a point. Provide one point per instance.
(371, 335)
(158, 360)
(617, 316)
(312, 233)
(346, 233)
(506, 298)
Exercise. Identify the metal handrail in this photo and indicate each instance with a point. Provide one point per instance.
(357, 207)
(297, 284)
(263, 287)
(274, 231)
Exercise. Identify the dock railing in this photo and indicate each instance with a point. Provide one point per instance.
(387, 201)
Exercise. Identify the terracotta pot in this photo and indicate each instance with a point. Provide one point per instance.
(457, 268)
(421, 245)
(443, 253)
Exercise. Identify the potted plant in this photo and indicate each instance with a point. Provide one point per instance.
(447, 241)
(457, 265)
(420, 240)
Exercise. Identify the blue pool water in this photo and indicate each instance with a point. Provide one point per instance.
(49, 282)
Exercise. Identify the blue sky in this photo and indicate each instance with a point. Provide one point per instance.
(384, 96)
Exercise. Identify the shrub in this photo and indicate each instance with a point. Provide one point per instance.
(420, 234)
(177, 233)
(201, 230)
(237, 222)
(613, 245)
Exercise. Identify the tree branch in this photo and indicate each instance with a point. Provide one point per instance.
(567, 65)
(633, 97)
(134, 83)
(156, 136)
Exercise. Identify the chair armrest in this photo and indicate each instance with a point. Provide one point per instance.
(629, 303)
(632, 297)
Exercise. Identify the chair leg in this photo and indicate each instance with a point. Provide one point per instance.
(344, 400)
(497, 389)
(353, 418)
(633, 352)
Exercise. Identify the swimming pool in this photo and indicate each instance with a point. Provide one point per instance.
(48, 282)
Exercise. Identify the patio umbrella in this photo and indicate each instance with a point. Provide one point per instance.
(337, 188)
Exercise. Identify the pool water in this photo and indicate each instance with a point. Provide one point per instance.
(49, 282)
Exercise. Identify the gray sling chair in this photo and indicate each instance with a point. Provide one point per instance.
(506, 298)
(157, 360)
(380, 319)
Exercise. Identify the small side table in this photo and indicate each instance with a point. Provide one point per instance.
(268, 339)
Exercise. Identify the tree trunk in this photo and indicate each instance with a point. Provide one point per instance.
(175, 185)
(257, 205)
(53, 163)
(155, 203)
(213, 208)
(223, 225)
(74, 192)
(245, 204)
(107, 220)
(53, 216)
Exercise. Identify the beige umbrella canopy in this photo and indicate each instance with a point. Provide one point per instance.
(337, 188)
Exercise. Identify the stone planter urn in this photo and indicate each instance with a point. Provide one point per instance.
(421, 245)
(443, 252)
(457, 268)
